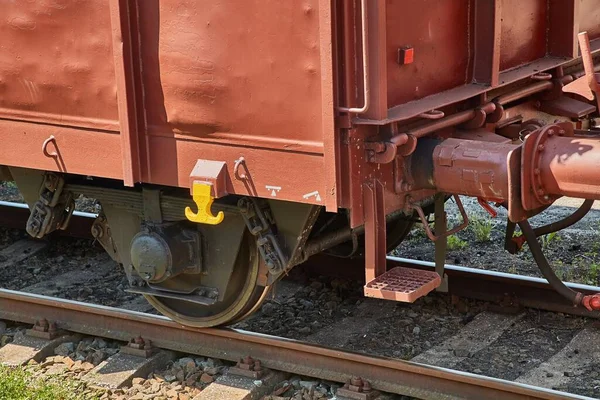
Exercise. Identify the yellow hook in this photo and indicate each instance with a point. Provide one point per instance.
(201, 193)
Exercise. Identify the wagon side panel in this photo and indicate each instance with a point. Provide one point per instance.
(224, 80)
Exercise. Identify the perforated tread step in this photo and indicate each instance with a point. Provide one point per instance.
(402, 284)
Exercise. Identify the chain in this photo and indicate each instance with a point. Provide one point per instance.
(260, 222)
(54, 208)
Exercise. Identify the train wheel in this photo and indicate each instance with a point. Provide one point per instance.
(243, 295)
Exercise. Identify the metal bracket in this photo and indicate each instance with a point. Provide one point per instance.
(357, 389)
(101, 232)
(441, 245)
(375, 230)
(44, 330)
(205, 296)
(248, 367)
(446, 233)
(139, 347)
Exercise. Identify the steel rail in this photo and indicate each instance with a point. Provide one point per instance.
(385, 374)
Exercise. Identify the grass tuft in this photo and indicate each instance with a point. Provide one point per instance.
(550, 239)
(482, 229)
(21, 384)
(456, 243)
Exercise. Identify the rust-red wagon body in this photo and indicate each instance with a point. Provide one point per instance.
(139, 91)
(345, 104)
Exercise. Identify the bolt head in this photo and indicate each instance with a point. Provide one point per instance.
(537, 171)
(541, 147)
(97, 231)
(356, 381)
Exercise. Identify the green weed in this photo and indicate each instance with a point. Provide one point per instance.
(456, 243)
(549, 239)
(482, 229)
(593, 273)
(559, 269)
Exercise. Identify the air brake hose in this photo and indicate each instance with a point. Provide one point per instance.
(591, 302)
(566, 222)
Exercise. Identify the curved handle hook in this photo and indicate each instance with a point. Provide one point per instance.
(52, 154)
(432, 114)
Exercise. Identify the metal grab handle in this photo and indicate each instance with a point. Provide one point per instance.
(542, 76)
(365, 57)
(239, 163)
(52, 154)
(452, 231)
(432, 114)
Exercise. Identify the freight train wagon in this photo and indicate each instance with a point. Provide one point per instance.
(228, 141)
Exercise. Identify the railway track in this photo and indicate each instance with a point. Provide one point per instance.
(394, 376)
(438, 370)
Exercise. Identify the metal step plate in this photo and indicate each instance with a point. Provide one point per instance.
(402, 284)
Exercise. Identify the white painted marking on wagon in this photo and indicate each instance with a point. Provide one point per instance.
(274, 189)
(311, 194)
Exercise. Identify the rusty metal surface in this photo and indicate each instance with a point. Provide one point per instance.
(495, 43)
(472, 168)
(425, 26)
(214, 76)
(555, 163)
(158, 85)
(569, 167)
(523, 32)
(384, 374)
(123, 20)
(79, 151)
(589, 15)
(57, 63)
(213, 83)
